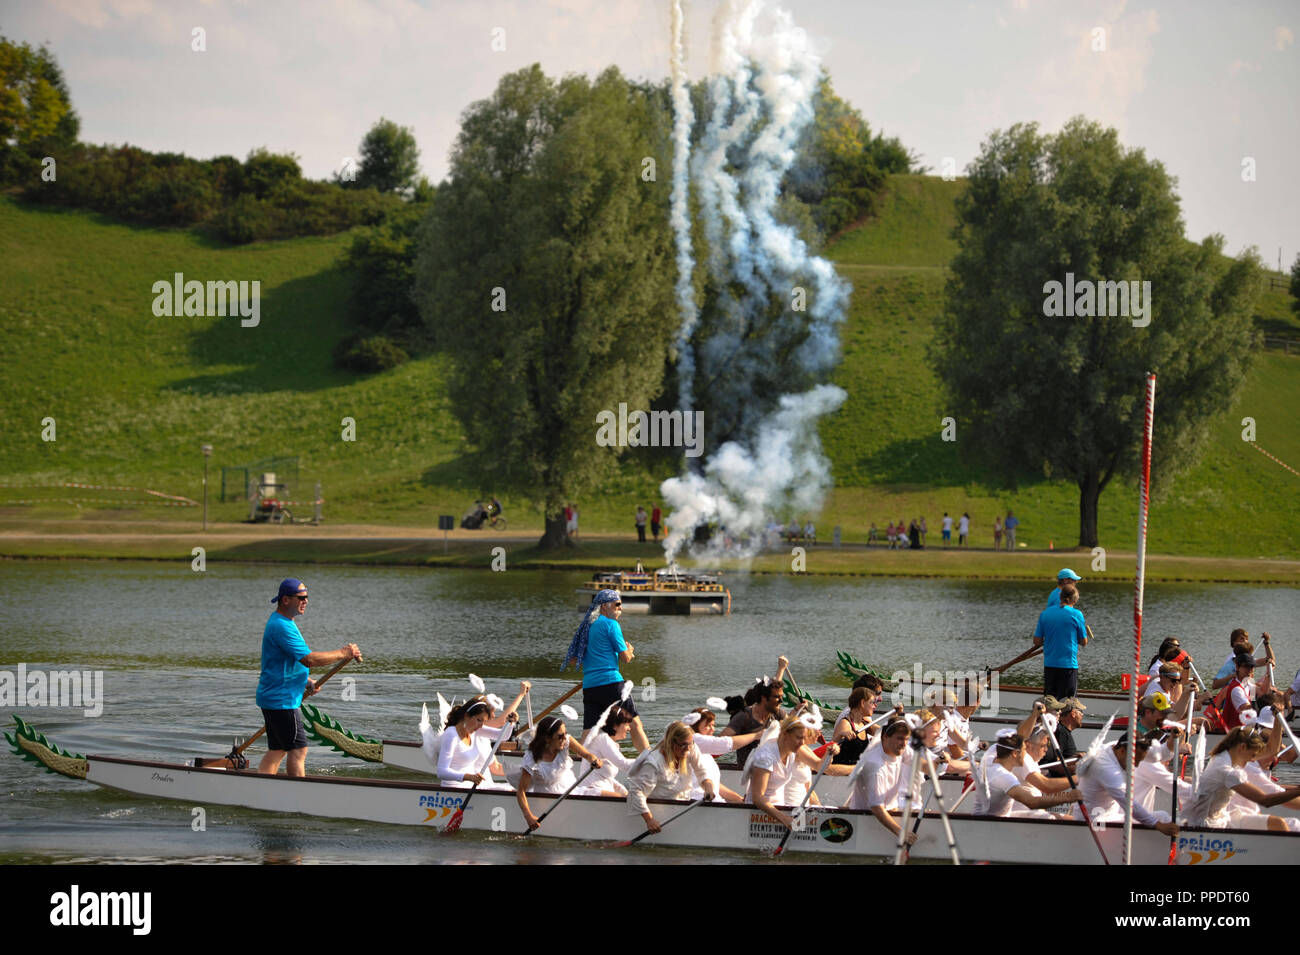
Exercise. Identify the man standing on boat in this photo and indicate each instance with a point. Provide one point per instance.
(1066, 576)
(1060, 632)
(598, 647)
(286, 679)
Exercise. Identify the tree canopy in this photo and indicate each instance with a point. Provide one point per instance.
(390, 160)
(1034, 386)
(36, 111)
(545, 272)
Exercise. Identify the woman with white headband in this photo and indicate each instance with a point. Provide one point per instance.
(703, 722)
(1004, 788)
(548, 764)
(466, 744)
(771, 767)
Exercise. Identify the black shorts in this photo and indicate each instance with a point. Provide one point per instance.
(595, 699)
(284, 729)
(1060, 682)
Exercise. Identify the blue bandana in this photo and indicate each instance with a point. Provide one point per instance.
(578, 645)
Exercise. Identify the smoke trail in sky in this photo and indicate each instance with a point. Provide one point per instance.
(683, 120)
(771, 326)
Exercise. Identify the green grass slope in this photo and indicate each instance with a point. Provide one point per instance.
(135, 395)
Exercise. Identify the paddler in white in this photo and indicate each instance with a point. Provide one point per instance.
(665, 772)
(1005, 788)
(1152, 774)
(548, 764)
(1257, 773)
(1103, 781)
(878, 781)
(466, 743)
(603, 740)
(703, 722)
(1224, 775)
(771, 767)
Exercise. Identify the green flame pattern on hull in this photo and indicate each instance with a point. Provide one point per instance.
(326, 730)
(31, 744)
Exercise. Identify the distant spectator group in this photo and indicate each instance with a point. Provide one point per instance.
(911, 535)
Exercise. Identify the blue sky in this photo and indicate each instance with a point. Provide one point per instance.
(1200, 86)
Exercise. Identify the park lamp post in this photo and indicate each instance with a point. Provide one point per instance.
(207, 453)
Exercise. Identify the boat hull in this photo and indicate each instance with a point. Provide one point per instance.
(725, 827)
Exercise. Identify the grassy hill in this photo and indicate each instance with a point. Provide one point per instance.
(135, 395)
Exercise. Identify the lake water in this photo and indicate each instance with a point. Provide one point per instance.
(179, 651)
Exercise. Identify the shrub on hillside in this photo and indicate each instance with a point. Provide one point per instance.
(369, 354)
(264, 197)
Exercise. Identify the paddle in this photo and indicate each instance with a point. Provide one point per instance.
(1069, 775)
(966, 790)
(563, 796)
(826, 761)
(454, 823)
(662, 826)
(236, 754)
(526, 735)
(1024, 656)
(1173, 810)
(916, 826)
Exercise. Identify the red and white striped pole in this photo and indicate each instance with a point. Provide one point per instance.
(1143, 506)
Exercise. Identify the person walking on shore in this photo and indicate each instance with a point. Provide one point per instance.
(640, 524)
(1010, 525)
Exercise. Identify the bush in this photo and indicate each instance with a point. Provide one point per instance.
(369, 354)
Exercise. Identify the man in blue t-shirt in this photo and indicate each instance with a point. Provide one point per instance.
(1066, 576)
(599, 647)
(285, 679)
(1060, 632)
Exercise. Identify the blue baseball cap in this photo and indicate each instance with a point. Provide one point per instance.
(289, 588)
(1067, 574)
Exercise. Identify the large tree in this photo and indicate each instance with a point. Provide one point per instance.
(390, 159)
(1033, 389)
(36, 114)
(545, 271)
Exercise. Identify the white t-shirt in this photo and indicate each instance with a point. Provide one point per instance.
(963, 525)
(553, 776)
(799, 784)
(879, 779)
(1104, 790)
(999, 801)
(768, 756)
(605, 779)
(1210, 807)
(1258, 777)
(947, 524)
(1152, 774)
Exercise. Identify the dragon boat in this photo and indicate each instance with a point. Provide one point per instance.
(832, 832)
(409, 755)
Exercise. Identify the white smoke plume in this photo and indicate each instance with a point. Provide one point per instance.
(683, 120)
(765, 76)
